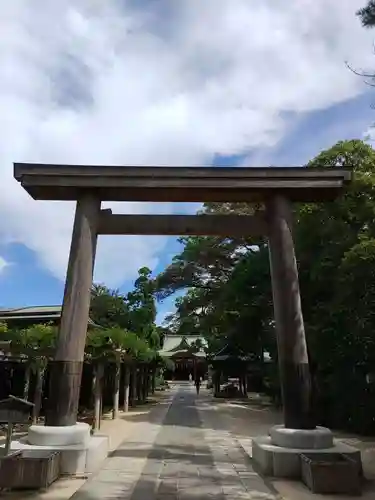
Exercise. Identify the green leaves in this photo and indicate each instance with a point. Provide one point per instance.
(128, 322)
(36, 343)
(108, 307)
(367, 14)
(229, 298)
(113, 342)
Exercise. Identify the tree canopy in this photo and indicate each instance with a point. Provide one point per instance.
(228, 289)
(367, 14)
(127, 322)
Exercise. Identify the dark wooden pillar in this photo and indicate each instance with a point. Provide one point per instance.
(291, 341)
(66, 369)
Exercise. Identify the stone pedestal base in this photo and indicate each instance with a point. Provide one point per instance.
(279, 461)
(78, 434)
(304, 439)
(81, 454)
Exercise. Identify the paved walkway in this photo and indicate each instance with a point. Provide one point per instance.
(178, 452)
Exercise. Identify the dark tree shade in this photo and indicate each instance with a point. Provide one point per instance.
(367, 14)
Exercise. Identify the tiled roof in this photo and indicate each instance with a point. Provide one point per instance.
(33, 313)
(174, 344)
(171, 342)
(16, 311)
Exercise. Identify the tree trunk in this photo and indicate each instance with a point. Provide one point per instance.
(26, 387)
(145, 384)
(216, 383)
(244, 384)
(38, 393)
(126, 387)
(153, 381)
(98, 377)
(134, 385)
(116, 389)
(139, 384)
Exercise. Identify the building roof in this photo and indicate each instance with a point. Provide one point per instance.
(30, 313)
(180, 184)
(31, 310)
(175, 345)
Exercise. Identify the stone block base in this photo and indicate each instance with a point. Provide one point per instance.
(80, 460)
(278, 461)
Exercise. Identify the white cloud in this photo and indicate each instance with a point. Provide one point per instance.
(369, 136)
(3, 264)
(168, 83)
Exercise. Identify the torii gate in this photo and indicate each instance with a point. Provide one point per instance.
(277, 188)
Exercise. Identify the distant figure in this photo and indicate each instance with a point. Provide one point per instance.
(197, 384)
(190, 377)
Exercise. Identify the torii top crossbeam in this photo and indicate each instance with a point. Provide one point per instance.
(180, 184)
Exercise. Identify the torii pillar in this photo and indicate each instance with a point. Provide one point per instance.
(290, 331)
(279, 453)
(66, 367)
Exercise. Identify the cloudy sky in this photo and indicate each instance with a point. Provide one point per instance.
(187, 82)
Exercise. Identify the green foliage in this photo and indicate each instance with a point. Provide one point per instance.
(221, 302)
(229, 297)
(108, 307)
(37, 343)
(142, 309)
(367, 14)
(128, 322)
(115, 341)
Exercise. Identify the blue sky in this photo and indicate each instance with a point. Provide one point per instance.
(116, 84)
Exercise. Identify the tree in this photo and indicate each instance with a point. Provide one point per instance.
(229, 295)
(367, 14)
(221, 302)
(142, 308)
(108, 307)
(119, 316)
(112, 345)
(37, 343)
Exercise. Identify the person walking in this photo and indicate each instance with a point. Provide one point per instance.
(197, 384)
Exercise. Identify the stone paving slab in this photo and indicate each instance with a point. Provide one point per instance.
(178, 453)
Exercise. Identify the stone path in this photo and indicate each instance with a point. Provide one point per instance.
(178, 453)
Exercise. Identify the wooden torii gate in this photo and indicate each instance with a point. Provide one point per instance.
(277, 188)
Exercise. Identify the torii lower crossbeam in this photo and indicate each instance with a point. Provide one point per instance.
(182, 225)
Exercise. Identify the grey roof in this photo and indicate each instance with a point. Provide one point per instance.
(47, 313)
(30, 310)
(174, 344)
(173, 341)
